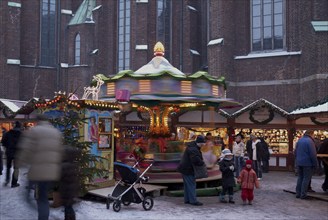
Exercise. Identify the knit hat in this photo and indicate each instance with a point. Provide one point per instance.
(226, 152)
(200, 139)
(248, 162)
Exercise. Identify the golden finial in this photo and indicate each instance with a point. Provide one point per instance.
(159, 49)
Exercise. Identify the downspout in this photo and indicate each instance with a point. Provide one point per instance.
(58, 45)
(181, 37)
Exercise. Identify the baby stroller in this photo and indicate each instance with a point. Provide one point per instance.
(129, 189)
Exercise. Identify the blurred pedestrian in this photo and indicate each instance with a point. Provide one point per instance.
(228, 180)
(238, 152)
(323, 149)
(41, 148)
(248, 180)
(254, 152)
(306, 161)
(69, 182)
(265, 155)
(10, 142)
(192, 156)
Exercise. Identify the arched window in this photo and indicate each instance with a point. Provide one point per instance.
(48, 33)
(77, 54)
(267, 29)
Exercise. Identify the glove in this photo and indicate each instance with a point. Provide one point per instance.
(232, 167)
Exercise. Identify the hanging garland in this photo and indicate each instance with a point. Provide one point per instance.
(194, 130)
(314, 120)
(266, 121)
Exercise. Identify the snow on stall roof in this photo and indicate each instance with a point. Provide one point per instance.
(314, 109)
(13, 105)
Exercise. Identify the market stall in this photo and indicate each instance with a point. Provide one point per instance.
(88, 125)
(264, 119)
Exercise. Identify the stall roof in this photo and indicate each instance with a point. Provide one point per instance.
(313, 109)
(17, 106)
(264, 102)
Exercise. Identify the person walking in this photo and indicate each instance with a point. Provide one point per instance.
(41, 148)
(238, 152)
(192, 156)
(265, 155)
(254, 151)
(248, 180)
(306, 161)
(10, 142)
(228, 180)
(323, 149)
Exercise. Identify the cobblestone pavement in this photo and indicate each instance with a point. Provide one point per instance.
(271, 202)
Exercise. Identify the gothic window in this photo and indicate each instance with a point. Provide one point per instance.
(163, 29)
(48, 33)
(77, 54)
(124, 20)
(267, 25)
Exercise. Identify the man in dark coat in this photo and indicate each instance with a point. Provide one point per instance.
(192, 156)
(255, 153)
(324, 150)
(306, 161)
(9, 141)
(265, 155)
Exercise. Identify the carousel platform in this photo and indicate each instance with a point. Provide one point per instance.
(155, 190)
(175, 177)
(314, 195)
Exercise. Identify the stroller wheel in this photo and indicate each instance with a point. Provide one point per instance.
(117, 206)
(126, 203)
(147, 203)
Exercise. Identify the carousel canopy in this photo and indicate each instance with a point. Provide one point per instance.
(159, 82)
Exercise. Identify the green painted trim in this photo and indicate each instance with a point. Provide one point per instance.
(14, 4)
(320, 25)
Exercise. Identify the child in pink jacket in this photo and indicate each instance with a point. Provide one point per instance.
(248, 180)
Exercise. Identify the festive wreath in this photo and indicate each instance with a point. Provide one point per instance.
(314, 120)
(266, 121)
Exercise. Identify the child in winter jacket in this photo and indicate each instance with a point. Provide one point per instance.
(248, 180)
(228, 179)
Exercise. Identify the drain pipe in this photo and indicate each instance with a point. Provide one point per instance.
(58, 45)
(181, 36)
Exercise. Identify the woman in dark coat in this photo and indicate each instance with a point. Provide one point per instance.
(228, 178)
(69, 182)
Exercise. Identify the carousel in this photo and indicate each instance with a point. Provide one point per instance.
(158, 93)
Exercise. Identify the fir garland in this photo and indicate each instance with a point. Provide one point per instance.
(266, 121)
(314, 120)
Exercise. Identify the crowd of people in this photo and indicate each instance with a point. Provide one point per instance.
(49, 163)
(246, 163)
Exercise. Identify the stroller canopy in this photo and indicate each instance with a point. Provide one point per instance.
(128, 174)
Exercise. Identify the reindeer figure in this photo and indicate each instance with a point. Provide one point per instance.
(94, 90)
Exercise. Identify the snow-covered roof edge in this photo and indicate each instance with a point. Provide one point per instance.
(265, 102)
(313, 109)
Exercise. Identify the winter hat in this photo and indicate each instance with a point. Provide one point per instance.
(248, 162)
(200, 139)
(18, 124)
(226, 152)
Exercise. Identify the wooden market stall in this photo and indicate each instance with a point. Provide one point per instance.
(264, 119)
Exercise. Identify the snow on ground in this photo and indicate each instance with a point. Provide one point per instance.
(270, 203)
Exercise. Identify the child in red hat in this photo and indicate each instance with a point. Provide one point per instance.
(248, 180)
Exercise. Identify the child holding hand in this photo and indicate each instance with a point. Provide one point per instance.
(248, 180)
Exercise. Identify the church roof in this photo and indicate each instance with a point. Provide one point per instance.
(84, 13)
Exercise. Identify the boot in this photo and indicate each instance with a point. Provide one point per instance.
(231, 199)
(222, 199)
(57, 201)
